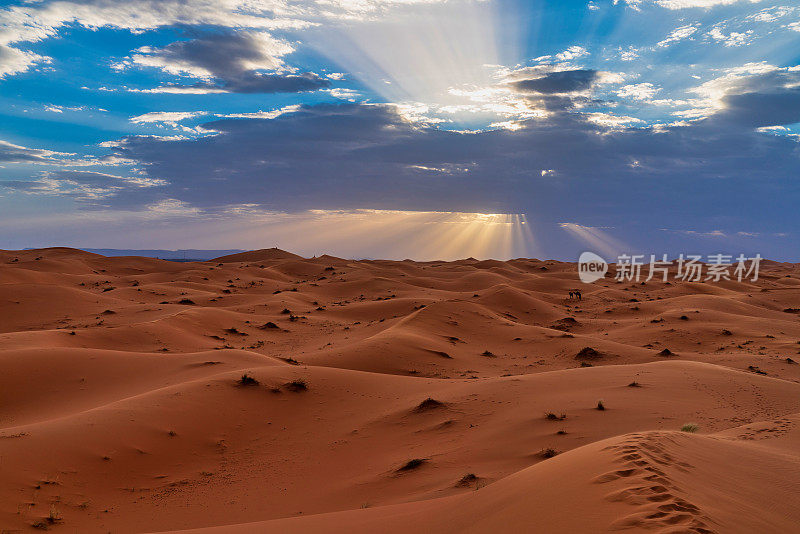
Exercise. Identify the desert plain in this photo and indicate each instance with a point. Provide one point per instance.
(266, 392)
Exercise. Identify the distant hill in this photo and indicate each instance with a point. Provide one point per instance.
(263, 254)
(179, 255)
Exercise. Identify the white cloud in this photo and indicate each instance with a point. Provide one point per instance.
(611, 121)
(172, 207)
(685, 4)
(180, 90)
(771, 14)
(605, 77)
(573, 52)
(34, 21)
(165, 117)
(14, 61)
(343, 94)
(628, 54)
(638, 91)
(443, 169)
(678, 34)
(733, 38)
(37, 20)
(262, 114)
(680, 4)
(54, 108)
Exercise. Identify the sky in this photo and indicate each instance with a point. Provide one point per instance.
(423, 129)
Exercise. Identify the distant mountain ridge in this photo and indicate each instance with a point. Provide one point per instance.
(180, 254)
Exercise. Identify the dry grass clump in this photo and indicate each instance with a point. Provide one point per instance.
(247, 380)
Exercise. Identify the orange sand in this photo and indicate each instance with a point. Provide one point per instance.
(121, 408)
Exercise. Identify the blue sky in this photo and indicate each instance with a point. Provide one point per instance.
(402, 128)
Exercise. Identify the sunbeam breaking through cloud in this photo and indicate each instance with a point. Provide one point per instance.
(636, 116)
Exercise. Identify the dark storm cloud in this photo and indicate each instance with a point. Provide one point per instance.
(356, 156)
(763, 109)
(233, 61)
(769, 98)
(568, 81)
(562, 167)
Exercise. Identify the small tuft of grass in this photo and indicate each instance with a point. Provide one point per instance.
(297, 384)
(54, 516)
(600, 405)
(690, 427)
(247, 380)
(467, 480)
(548, 452)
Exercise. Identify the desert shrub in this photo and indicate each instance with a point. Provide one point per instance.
(297, 384)
(548, 452)
(247, 380)
(466, 480)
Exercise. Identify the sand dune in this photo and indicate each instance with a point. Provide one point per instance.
(391, 397)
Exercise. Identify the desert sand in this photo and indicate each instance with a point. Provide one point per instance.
(265, 392)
